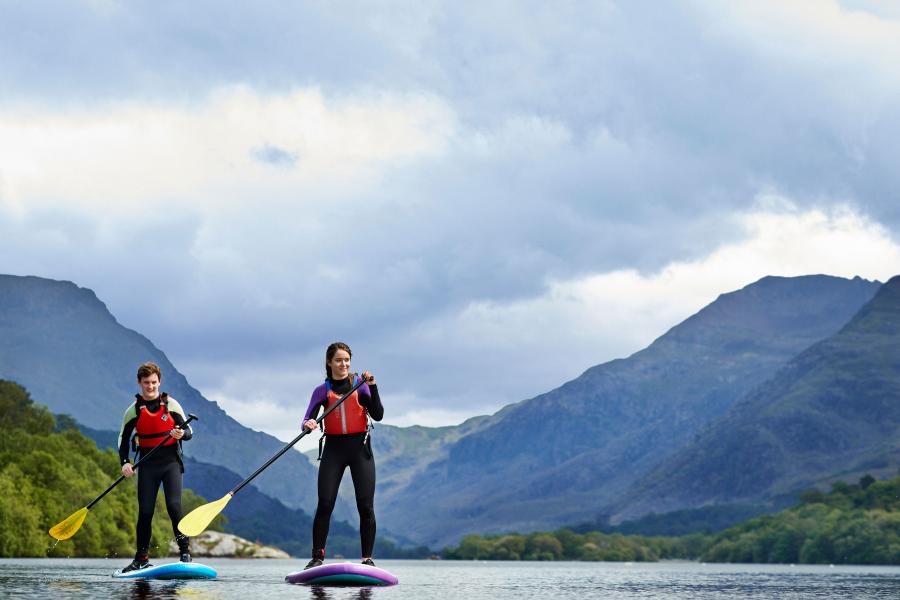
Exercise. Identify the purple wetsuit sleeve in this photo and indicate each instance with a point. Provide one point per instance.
(369, 398)
(317, 400)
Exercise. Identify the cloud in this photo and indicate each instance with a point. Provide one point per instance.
(477, 359)
(632, 308)
(428, 417)
(270, 395)
(274, 155)
(74, 51)
(115, 158)
(456, 189)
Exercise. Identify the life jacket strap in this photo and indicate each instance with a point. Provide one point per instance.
(367, 440)
(160, 434)
(163, 402)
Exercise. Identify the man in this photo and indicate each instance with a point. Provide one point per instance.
(157, 419)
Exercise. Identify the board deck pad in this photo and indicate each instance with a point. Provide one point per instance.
(176, 570)
(343, 573)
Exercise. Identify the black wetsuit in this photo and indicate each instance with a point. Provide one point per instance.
(342, 451)
(164, 467)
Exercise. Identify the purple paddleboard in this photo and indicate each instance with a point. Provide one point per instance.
(342, 574)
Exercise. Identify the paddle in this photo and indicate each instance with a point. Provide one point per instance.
(71, 524)
(198, 519)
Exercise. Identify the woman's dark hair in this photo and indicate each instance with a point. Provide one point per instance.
(331, 351)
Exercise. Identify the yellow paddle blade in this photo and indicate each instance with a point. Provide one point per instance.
(198, 519)
(70, 526)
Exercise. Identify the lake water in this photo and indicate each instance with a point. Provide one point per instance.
(62, 579)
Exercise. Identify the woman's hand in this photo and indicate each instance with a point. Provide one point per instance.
(177, 433)
(311, 425)
(368, 378)
(127, 471)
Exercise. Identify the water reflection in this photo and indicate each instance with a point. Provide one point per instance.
(144, 590)
(322, 593)
(156, 590)
(61, 587)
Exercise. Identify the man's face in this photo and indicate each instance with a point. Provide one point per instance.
(149, 386)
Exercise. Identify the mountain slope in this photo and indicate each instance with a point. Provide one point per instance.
(62, 343)
(617, 420)
(832, 411)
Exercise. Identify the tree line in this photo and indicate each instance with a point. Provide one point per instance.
(853, 524)
(48, 470)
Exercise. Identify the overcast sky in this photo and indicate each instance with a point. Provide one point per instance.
(482, 198)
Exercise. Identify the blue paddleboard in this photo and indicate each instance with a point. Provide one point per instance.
(176, 570)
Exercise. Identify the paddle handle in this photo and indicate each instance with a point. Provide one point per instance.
(297, 439)
(191, 417)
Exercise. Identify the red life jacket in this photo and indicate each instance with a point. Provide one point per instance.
(152, 428)
(349, 417)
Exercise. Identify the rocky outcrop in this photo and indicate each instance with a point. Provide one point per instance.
(226, 545)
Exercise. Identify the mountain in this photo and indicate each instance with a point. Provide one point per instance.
(569, 455)
(403, 452)
(60, 341)
(831, 413)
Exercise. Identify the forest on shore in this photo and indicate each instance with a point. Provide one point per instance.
(853, 524)
(49, 470)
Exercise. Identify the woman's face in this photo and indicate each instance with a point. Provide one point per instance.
(340, 364)
(150, 386)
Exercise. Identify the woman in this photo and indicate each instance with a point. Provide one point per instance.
(347, 444)
(158, 420)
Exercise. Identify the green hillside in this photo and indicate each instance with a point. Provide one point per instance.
(50, 470)
(565, 544)
(854, 524)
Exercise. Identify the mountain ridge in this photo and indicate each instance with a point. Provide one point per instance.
(58, 336)
(510, 473)
(610, 427)
(830, 411)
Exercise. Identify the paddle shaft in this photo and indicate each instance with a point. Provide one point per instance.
(143, 458)
(298, 438)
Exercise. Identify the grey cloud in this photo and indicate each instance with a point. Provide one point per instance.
(273, 155)
(711, 116)
(669, 122)
(77, 50)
